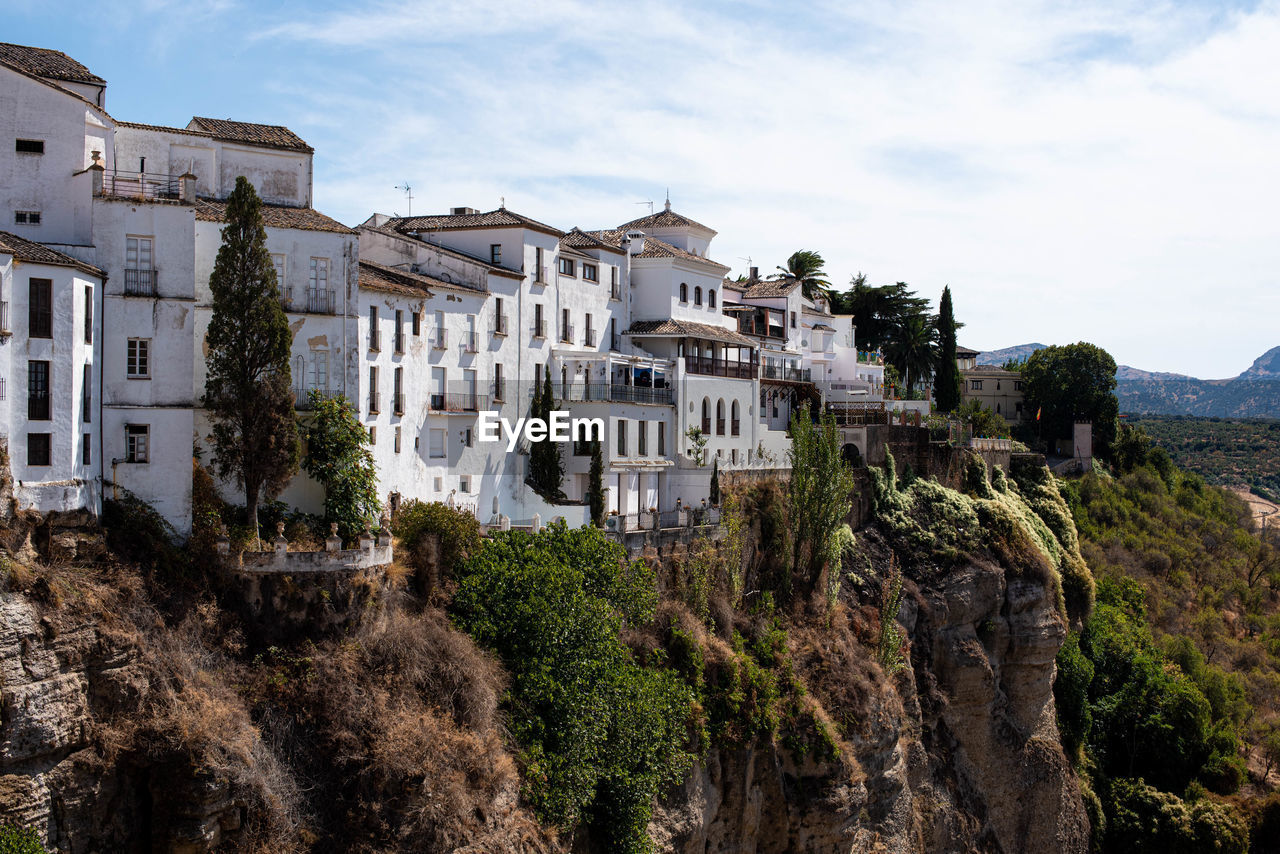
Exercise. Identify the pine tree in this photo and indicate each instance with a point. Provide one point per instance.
(947, 381)
(595, 488)
(248, 391)
(715, 481)
(546, 469)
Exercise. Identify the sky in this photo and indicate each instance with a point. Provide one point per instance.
(1105, 172)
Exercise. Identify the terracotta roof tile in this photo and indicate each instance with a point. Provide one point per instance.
(688, 328)
(275, 216)
(42, 62)
(446, 250)
(390, 280)
(664, 219)
(500, 218)
(271, 136)
(655, 248)
(38, 253)
(165, 129)
(770, 287)
(579, 239)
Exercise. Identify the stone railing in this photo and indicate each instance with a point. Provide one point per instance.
(980, 444)
(373, 550)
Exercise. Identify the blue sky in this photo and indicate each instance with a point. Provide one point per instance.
(1075, 171)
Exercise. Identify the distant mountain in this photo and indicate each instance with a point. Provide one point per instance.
(999, 357)
(1255, 393)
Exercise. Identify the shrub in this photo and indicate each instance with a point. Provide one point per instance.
(19, 840)
(458, 531)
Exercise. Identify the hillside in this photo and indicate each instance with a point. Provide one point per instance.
(1255, 393)
(1018, 353)
(1225, 451)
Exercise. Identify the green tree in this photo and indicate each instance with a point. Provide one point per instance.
(19, 840)
(595, 488)
(338, 458)
(1073, 383)
(714, 496)
(914, 349)
(546, 468)
(983, 421)
(947, 380)
(807, 267)
(878, 311)
(248, 391)
(698, 440)
(818, 493)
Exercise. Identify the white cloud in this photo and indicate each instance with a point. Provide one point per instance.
(1081, 171)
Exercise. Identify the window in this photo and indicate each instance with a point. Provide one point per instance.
(40, 309)
(397, 440)
(137, 363)
(86, 395)
(438, 484)
(642, 438)
(38, 448)
(29, 146)
(88, 314)
(975, 385)
(793, 320)
(464, 484)
(466, 438)
(1017, 385)
(567, 266)
(539, 274)
(319, 370)
(435, 444)
(590, 272)
(373, 435)
(86, 449)
(684, 292)
(137, 443)
(319, 297)
(499, 392)
(697, 296)
(711, 297)
(139, 277)
(495, 253)
(417, 323)
(590, 338)
(373, 327)
(622, 438)
(38, 403)
(469, 383)
(399, 331)
(277, 263)
(373, 389)
(662, 438)
(539, 326)
(26, 217)
(566, 331)
(397, 400)
(613, 276)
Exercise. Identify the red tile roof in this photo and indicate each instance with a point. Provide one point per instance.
(271, 136)
(500, 218)
(770, 287)
(579, 239)
(390, 280)
(38, 253)
(655, 248)
(42, 62)
(664, 219)
(275, 216)
(688, 329)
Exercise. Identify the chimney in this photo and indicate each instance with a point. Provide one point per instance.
(755, 274)
(97, 169)
(635, 242)
(187, 188)
(462, 211)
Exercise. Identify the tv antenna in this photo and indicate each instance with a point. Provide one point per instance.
(408, 194)
(649, 203)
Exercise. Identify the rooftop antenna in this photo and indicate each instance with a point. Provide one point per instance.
(502, 202)
(649, 203)
(408, 193)
(668, 203)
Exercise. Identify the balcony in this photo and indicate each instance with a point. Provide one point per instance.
(375, 340)
(500, 324)
(141, 185)
(286, 299)
(544, 275)
(373, 403)
(498, 391)
(397, 404)
(140, 283)
(785, 372)
(566, 334)
(589, 338)
(4, 318)
(398, 343)
(38, 408)
(605, 392)
(321, 301)
(615, 342)
(539, 329)
(458, 402)
(470, 342)
(615, 291)
(870, 357)
(302, 397)
(709, 367)
(440, 340)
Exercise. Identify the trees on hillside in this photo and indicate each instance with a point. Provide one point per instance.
(818, 492)
(338, 457)
(546, 468)
(878, 311)
(248, 390)
(595, 485)
(1073, 383)
(808, 267)
(947, 375)
(914, 349)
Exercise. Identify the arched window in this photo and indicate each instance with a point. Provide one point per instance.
(720, 417)
(711, 297)
(734, 422)
(697, 295)
(706, 416)
(684, 292)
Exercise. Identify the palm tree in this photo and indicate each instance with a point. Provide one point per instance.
(807, 267)
(914, 348)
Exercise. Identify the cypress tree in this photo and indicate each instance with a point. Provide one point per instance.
(595, 488)
(248, 391)
(947, 397)
(715, 480)
(546, 469)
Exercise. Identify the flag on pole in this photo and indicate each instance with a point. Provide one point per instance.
(1038, 411)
